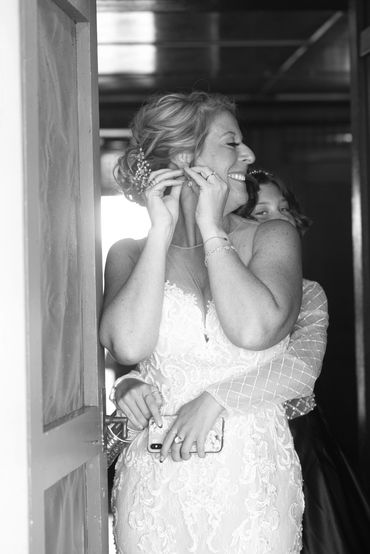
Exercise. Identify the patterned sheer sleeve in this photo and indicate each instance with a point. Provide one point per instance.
(290, 375)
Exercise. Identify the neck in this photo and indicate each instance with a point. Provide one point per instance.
(187, 232)
(230, 222)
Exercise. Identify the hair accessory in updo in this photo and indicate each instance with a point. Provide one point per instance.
(163, 128)
(142, 172)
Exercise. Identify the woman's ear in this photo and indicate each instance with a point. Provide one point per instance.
(182, 159)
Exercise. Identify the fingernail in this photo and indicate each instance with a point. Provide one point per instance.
(161, 459)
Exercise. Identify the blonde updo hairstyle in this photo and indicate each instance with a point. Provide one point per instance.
(164, 127)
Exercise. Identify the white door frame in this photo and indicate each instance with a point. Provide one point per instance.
(14, 508)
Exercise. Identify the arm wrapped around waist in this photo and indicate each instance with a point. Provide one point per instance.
(290, 375)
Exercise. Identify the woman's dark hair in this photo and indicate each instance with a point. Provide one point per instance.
(258, 177)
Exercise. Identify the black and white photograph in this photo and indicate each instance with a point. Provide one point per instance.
(185, 281)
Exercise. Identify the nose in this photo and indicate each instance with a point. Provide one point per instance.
(247, 155)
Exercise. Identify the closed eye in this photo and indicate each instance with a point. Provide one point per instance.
(233, 144)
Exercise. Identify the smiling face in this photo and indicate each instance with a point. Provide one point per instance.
(226, 154)
(271, 204)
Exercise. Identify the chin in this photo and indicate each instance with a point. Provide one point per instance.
(233, 204)
(231, 207)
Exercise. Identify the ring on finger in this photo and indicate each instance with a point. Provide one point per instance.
(153, 183)
(210, 175)
(178, 439)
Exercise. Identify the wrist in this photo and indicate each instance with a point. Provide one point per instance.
(215, 240)
(212, 230)
(120, 384)
(161, 235)
(212, 403)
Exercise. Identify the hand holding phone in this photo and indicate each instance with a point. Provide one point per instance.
(156, 435)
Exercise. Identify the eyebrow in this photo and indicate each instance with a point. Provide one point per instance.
(265, 202)
(234, 134)
(229, 133)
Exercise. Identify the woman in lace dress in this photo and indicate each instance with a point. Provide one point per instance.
(219, 295)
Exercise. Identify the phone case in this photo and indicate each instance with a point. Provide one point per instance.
(156, 435)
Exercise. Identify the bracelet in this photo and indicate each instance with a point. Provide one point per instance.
(117, 382)
(227, 247)
(216, 237)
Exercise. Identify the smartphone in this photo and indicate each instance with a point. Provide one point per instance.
(156, 435)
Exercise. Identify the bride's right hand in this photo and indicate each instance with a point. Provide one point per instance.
(139, 402)
(164, 209)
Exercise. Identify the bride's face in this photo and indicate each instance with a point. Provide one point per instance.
(225, 153)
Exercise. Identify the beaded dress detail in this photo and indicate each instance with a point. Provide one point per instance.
(245, 499)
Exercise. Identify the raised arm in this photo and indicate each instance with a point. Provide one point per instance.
(258, 302)
(290, 375)
(134, 278)
(134, 284)
(257, 290)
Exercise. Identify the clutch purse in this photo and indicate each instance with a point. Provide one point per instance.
(115, 436)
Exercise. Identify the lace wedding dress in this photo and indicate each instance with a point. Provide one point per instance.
(247, 498)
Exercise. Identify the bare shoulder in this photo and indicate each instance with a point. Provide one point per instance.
(276, 234)
(243, 236)
(121, 260)
(125, 248)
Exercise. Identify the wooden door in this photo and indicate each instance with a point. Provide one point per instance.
(51, 286)
(359, 12)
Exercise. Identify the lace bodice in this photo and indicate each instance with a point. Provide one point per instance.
(189, 339)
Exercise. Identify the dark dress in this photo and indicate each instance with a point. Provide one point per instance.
(337, 515)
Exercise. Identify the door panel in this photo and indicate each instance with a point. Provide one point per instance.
(59, 183)
(65, 502)
(57, 241)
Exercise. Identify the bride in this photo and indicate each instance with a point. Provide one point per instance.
(205, 297)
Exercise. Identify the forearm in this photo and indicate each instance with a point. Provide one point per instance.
(292, 374)
(266, 384)
(124, 330)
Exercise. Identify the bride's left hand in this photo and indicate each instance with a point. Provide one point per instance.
(213, 193)
(193, 423)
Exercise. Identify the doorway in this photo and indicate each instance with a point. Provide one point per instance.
(289, 72)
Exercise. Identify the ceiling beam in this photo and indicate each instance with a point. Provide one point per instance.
(256, 113)
(117, 98)
(257, 43)
(301, 51)
(169, 6)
